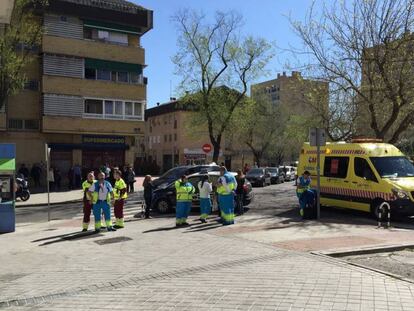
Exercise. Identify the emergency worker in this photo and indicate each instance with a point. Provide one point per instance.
(120, 195)
(185, 191)
(226, 185)
(87, 201)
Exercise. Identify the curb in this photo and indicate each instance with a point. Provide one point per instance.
(363, 251)
(45, 203)
(389, 274)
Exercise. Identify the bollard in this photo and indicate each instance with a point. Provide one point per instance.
(381, 210)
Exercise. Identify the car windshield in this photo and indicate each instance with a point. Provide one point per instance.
(393, 167)
(255, 171)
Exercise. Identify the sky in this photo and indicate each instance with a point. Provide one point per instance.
(262, 18)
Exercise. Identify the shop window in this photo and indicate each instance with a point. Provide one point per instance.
(363, 170)
(103, 74)
(90, 73)
(336, 167)
(93, 106)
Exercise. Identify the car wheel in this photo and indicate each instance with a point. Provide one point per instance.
(163, 206)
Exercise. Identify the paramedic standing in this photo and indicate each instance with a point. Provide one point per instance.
(226, 186)
(185, 192)
(120, 195)
(303, 186)
(102, 195)
(205, 188)
(87, 201)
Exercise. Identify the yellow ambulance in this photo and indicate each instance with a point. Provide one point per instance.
(361, 175)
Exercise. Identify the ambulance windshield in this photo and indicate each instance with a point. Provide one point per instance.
(393, 167)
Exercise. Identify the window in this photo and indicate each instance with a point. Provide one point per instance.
(93, 106)
(109, 107)
(87, 33)
(103, 74)
(363, 170)
(19, 124)
(128, 109)
(134, 77)
(175, 137)
(137, 109)
(32, 85)
(170, 137)
(119, 38)
(16, 124)
(336, 167)
(90, 73)
(103, 35)
(123, 76)
(31, 124)
(165, 138)
(175, 124)
(119, 108)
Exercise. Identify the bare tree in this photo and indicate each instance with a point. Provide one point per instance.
(364, 49)
(212, 55)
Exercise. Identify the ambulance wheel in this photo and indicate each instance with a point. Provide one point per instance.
(163, 206)
(375, 206)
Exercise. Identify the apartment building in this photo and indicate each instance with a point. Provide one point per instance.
(172, 139)
(293, 92)
(85, 94)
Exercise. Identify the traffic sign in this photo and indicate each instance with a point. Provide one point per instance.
(207, 148)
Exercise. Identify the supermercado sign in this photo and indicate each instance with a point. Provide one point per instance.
(103, 140)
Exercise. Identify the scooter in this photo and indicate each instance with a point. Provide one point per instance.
(22, 188)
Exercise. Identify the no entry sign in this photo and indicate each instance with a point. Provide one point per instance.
(206, 148)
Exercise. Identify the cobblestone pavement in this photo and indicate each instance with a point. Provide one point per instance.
(150, 265)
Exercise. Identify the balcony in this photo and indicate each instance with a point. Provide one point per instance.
(93, 49)
(73, 125)
(92, 88)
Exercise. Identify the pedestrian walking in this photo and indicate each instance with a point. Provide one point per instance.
(240, 179)
(58, 179)
(130, 179)
(148, 188)
(205, 188)
(51, 179)
(120, 195)
(246, 168)
(87, 200)
(226, 185)
(77, 173)
(185, 191)
(23, 170)
(302, 187)
(102, 195)
(35, 172)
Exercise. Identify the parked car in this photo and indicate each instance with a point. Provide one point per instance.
(259, 177)
(276, 175)
(176, 173)
(164, 198)
(289, 172)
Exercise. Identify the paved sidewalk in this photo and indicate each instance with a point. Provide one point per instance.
(64, 196)
(153, 266)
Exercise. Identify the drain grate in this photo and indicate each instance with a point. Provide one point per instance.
(113, 240)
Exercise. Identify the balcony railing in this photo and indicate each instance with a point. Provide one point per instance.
(111, 117)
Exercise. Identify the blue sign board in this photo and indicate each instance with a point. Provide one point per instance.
(7, 151)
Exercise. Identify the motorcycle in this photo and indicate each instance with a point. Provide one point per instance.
(22, 188)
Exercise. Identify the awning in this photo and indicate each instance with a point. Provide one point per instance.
(110, 65)
(105, 147)
(111, 27)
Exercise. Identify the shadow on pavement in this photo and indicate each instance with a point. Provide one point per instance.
(163, 229)
(204, 227)
(68, 237)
